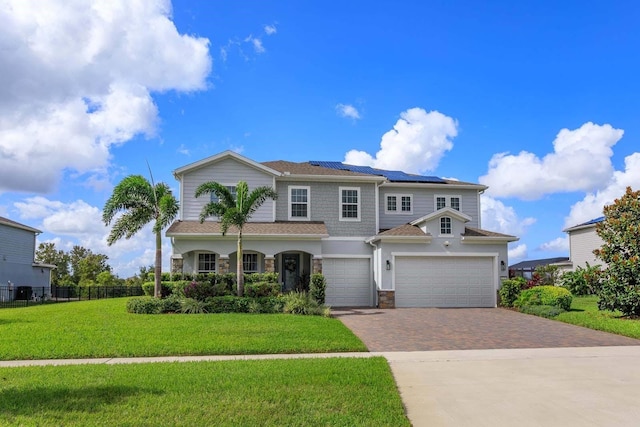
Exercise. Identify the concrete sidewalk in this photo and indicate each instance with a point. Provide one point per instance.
(585, 386)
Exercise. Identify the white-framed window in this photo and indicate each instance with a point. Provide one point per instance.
(447, 201)
(206, 262)
(299, 203)
(349, 204)
(250, 262)
(399, 203)
(231, 188)
(445, 226)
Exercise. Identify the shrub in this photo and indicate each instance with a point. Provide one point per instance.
(318, 287)
(193, 306)
(171, 304)
(198, 290)
(228, 304)
(145, 305)
(260, 277)
(545, 295)
(583, 281)
(510, 290)
(261, 289)
(547, 311)
(302, 303)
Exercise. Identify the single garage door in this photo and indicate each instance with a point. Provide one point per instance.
(348, 282)
(444, 282)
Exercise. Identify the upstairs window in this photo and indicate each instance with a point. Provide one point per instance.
(298, 202)
(349, 204)
(445, 201)
(399, 203)
(445, 226)
(231, 188)
(206, 263)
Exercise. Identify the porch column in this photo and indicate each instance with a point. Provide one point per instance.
(176, 264)
(269, 264)
(317, 265)
(223, 264)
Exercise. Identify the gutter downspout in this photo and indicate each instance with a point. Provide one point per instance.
(376, 272)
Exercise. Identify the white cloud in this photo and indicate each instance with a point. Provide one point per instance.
(518, 253)
(581, 161)
(416, 143)
(496, 216)
(349, 111)
(183, 150)
(270, 29)
(256, 43)
(591, 205)
(78, 78)
(561, 244)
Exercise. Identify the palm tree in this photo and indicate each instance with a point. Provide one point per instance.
(234, 211)
(141, 202)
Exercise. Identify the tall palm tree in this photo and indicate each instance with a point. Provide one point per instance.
(234, 211)
(140, 203)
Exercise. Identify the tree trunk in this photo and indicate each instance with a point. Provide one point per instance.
(157, 290)
(239, 269)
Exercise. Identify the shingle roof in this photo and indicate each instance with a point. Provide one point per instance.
(532, 264)
(307, 169)
(591, 222)
(15, 224)
(404, 230)
(281, 228)
(477, 232)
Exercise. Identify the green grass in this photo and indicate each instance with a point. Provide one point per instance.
(584, 312)
(303, 392)
(103, 328)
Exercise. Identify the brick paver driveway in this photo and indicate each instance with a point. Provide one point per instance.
(423, 329)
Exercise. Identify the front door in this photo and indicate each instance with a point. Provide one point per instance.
(290, 270)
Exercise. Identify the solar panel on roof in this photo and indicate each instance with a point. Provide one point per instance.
(396, 176)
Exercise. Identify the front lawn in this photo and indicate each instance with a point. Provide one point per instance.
(348, 392)
(584, 312)
(103, 328)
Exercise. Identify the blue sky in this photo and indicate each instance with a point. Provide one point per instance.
(538, 100)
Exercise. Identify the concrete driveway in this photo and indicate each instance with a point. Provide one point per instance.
(495, 367)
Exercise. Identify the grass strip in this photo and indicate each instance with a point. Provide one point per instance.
(294, 392)
(584, 312)
(103, 328)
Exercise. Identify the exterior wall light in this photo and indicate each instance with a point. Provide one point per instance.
(503, 266)
(388, 265)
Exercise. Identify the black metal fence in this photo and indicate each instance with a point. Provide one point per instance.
(22, 296)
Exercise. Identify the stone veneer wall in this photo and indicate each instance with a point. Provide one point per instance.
(386, 299)
(176, 265)
(317, 265)
(269, 265)
(223, 265)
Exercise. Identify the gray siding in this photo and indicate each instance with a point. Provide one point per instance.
(17, 252)
(324, 205)
(424, 203)
(227, 172)
(581, 245)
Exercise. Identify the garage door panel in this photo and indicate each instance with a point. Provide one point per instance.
(444, 282)
(348, 282)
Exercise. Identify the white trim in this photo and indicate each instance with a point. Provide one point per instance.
(438, 186)
(442, 212)
(358, 205)
(289, 202)
(349, 239)
(398, 197)
(196, 267)
(332, 178)
(221, 156)
(450, 227)
(348, 256)
(488, 239)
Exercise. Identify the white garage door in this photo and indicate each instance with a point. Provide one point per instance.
(348, 282)
(444, 282)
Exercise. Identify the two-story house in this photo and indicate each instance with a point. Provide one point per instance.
(18, 268)
(583, 240)
(384, 238)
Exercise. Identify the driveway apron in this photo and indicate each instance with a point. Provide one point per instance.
(427, 329)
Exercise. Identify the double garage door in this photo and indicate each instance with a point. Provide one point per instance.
(423, 281)
(348, 282)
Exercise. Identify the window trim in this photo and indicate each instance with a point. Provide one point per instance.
(447, 201)
(290, 207)
(341, 204)
(398, 210)
(450, 226)
(215, 262)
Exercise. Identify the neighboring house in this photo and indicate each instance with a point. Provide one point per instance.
(583, 240)
(526, 268)
(18, 269)
(383, 238)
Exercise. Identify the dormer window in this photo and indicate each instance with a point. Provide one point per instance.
(445, 226)
(232, 190)
(446, 201)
